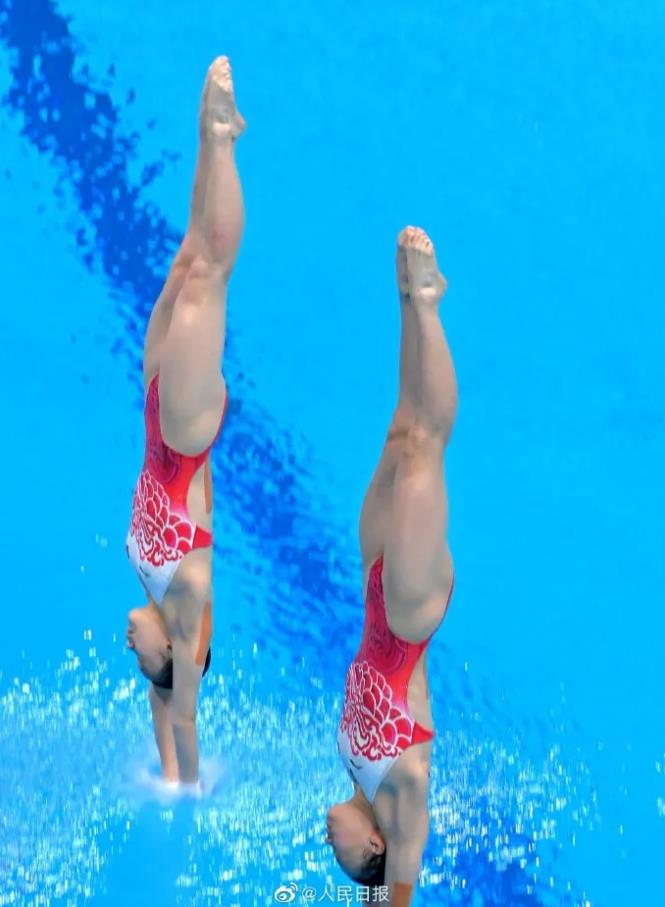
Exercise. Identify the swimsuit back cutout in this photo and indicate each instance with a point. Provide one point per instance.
(376, 724)
(161, 531)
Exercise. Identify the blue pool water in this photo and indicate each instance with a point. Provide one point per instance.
(527, 139)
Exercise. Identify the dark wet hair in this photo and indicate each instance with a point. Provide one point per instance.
(164, 680)
(373, 872)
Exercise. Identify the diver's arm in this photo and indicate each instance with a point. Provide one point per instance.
(407, 837)
(403, 864)
(187, 671)
(160, 704)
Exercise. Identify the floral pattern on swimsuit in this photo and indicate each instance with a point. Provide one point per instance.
(376, 725)
(161, 531)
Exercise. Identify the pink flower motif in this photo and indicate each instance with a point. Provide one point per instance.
(161, 535)
(375, 725)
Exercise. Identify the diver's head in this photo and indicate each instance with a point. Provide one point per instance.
(147, 637)
(359, 846)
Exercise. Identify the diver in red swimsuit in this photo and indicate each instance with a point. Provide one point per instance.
(169, 541)
(385, 731)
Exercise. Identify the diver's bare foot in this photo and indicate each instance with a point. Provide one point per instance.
(219, 115)
(418, 276)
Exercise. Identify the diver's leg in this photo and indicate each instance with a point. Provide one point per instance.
(191, 386)
(188, 615)
(191, 245)
(417, 567)
(377, 505)
(160, 706)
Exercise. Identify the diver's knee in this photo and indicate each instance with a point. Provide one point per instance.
(219, 242)
(400, 425)
(204, 271)
(423, 443)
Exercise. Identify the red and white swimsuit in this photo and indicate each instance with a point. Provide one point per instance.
(377, 725)
(161, 531)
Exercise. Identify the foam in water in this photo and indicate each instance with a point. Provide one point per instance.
(82, 804)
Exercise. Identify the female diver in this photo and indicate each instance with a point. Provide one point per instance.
(385, 732)
(169, 542)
